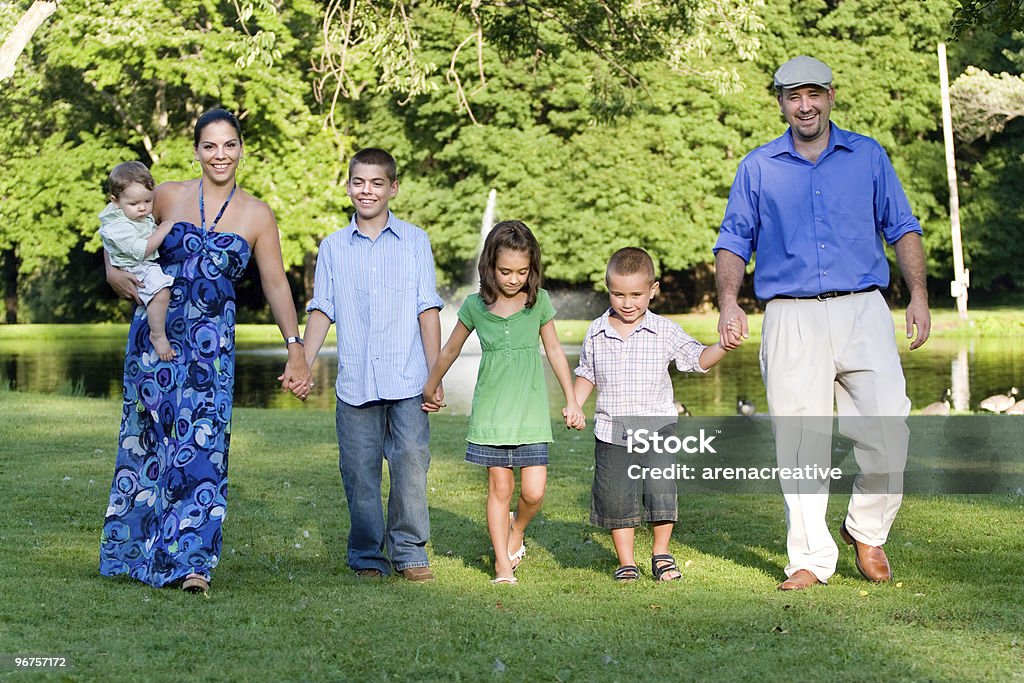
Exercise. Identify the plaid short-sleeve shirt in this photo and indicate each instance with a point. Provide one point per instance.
(631, 375)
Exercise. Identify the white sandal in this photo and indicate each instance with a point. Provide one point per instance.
(510, 580)
(516, 557)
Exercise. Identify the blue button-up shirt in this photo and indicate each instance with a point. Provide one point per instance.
(374, 291)
(816, 227)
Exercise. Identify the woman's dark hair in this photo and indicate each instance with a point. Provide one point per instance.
(513, 236)
(213, 116)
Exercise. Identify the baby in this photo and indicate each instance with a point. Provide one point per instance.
(131, 237)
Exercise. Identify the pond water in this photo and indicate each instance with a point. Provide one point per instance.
(973, 368)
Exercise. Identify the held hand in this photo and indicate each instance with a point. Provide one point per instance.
(918, 316)
(574, 417)
(124, 284)
(732, 315)
(299, 389)
(296, 377)
(734, 329)
(433, 401)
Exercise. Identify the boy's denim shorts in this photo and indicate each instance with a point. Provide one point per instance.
(619, 501)
(525, 455)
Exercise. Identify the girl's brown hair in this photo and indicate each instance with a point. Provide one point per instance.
(514, 236)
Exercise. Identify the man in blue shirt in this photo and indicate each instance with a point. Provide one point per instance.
(816, 205)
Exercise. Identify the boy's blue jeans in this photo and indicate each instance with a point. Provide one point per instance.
(400, 432)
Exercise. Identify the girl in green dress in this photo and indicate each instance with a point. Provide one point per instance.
(510, 424)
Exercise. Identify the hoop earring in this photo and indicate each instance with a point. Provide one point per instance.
(241, 162)
(193, 165)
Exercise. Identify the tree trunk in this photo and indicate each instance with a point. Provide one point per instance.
(19, 36)
(308, 273)
(10, 286)
(704, 287)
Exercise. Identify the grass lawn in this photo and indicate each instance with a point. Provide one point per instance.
(285, 607)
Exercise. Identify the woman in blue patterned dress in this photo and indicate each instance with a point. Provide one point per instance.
(169, 494)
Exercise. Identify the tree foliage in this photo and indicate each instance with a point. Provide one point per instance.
(101, 84)
(601, 124)
(998, 16)
(984, 103)
(389, 36)
(992, 208)
(17, 36)
(651, 166)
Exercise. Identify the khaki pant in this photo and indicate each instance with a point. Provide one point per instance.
(841, 350)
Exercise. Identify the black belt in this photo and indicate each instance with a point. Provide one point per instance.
(825, 296)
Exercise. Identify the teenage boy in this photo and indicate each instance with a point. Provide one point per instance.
(375, 280)
(625, 354)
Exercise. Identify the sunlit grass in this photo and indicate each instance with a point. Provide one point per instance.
(285, 607)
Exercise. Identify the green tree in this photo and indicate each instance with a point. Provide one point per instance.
(599, 124)
(983, 103)
(104, 82)
(18, 29)
(988, 155)
(392, 38)
(998, 16)
(590, 165)
(650, 166)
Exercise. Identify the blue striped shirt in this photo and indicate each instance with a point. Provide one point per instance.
(816, 227)
(374, 292)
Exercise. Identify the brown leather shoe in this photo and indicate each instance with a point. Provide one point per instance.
(369, 574)
(871, 560)
(800, 580)
(418, 574)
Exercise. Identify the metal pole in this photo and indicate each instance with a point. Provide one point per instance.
(958, 287)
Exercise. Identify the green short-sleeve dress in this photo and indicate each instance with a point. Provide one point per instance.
(510, 401)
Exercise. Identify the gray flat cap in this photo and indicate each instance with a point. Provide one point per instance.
(803, 70)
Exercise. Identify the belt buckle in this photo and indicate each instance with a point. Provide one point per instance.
(825, 296)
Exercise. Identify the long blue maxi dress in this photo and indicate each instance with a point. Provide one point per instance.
(169, 493)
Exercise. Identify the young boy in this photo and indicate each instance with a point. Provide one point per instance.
(131, 237)
(625, 354)
(375, 280)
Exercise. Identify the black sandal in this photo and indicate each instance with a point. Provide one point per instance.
(627, 573)
(663, 564)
